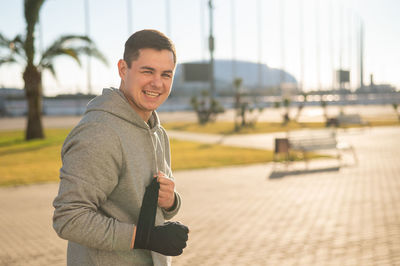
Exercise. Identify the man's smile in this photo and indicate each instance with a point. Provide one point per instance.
(151, 93)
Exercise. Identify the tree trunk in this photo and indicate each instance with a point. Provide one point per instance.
(33, 92)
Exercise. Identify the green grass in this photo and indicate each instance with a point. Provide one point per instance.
(26, 162)
(193, 155)
(37, 161)
(228, 128)
(377, 123)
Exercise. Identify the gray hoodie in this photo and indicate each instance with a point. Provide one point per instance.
(108, 160)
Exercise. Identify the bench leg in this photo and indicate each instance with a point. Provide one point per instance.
(347, 149)
(339, 157)
(354, 155)
(286, 160)
(305, 158)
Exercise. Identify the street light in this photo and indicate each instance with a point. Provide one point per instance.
(87, 32)
(211, 49)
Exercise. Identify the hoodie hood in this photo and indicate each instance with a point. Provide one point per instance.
(113, 101)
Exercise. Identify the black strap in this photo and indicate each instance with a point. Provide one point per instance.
(147, 214)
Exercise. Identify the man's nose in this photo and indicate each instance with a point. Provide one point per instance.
(156, 82)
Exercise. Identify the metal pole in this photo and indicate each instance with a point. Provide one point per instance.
(233, 28)
(211, 48)
(361, 55)
(87, 31)
(168, 17)
(341, 41)
(259, 22)
(129, 16)
(317, 46)
(202, 31)
(350, 30)
(331, 45)
(282, 26)
(301, 35)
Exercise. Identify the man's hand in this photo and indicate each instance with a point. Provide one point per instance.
(166, 194)
(168, 239)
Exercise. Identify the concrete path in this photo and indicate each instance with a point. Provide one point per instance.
(326, 215)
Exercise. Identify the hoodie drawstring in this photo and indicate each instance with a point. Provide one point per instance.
(155, 150)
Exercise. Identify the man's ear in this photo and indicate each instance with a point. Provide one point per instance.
(122, 68)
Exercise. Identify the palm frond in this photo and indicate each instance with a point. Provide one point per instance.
(51, 68)
(94, 52)
(14, 50)
(49, 56)
(67, 40)
(18, 45)
(7, 60)
(72, 46)
(3, 41)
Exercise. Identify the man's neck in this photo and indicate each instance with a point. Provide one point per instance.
(144, 115)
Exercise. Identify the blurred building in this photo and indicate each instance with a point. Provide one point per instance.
(376, 88)
(192, 83)
(13, 103)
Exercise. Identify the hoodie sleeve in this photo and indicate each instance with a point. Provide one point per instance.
(92, 159)
(170, 214)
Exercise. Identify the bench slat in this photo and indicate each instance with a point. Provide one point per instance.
(315, 140)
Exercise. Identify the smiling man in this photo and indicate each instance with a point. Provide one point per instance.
(116, 151)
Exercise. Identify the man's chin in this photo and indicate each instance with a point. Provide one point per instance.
(151, 108)
(153, 105)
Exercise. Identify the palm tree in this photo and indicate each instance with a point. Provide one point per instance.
(21, 50)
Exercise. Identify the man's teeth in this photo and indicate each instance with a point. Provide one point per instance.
(152, 94)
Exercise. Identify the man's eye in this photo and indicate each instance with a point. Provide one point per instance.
(167, 75)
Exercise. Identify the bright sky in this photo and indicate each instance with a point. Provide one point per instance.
(328, 44)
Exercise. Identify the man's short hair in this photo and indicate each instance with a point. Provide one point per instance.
(153, 39)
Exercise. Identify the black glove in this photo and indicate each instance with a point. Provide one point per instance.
(169, 238)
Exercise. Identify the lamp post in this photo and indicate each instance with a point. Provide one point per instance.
(282, 35)
(259, 22)
(129, 16)
(317, 45)
(361, 55)
(211, 49)
(233, 29)
(87, 32)
(168, 17)
(301, 35)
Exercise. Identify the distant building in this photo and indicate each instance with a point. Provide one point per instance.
(8, 98)
(13, 103)
(376, 88)
(11, 92)
(224, 75)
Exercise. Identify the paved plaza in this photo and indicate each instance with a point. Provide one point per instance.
(320, 216)
(249, 215)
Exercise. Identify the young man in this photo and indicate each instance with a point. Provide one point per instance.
(109, 159)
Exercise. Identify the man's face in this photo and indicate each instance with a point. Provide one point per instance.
(147, 83)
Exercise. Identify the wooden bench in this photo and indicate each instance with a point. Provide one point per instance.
(311, 141)
(350, 119)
